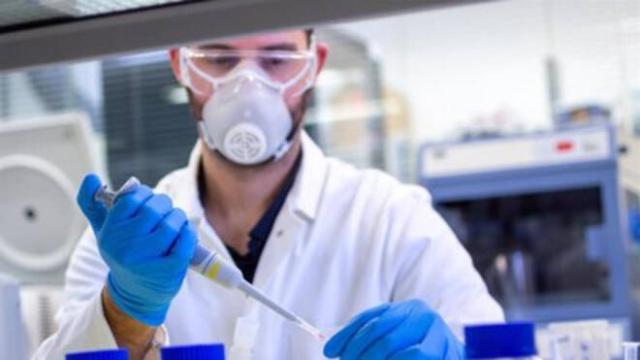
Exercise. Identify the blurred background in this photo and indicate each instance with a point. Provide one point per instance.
(521, 117)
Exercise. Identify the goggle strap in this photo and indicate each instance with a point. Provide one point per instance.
(184, 72)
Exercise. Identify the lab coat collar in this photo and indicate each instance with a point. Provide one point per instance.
(304, 196)
(307, 189)
(188, 198)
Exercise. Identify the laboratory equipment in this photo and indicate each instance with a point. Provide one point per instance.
(589, 113)
(117, 354)
(630, 168)
(40, 304)
(541, 216)
(588, 340)
(501, 341)
(630, 350)
(211, 265)
(40, 222)
(193, 352)
(13, 337)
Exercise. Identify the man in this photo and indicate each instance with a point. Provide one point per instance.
(319, 237)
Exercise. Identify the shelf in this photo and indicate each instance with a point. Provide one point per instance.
(74, 38)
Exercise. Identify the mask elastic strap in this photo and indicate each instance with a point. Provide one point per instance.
(284, 148)
(202, 126)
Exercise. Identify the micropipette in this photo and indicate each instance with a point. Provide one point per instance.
(214, 267)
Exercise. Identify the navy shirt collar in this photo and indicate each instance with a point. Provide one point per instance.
(260, 233)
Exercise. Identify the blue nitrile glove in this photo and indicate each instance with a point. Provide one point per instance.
(408, 330)
(147, 244)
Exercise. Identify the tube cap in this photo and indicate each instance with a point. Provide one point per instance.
(500, 340)
(193, 352)
(119, 354)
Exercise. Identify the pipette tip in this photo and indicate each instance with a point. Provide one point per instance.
(311, 329)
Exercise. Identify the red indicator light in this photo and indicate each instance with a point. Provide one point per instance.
(564, 146)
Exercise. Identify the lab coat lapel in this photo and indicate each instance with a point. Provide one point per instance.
(188, 199)
(287, 231)
(289, 234)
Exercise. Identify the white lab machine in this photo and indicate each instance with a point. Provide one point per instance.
(42, 162)
(543, 219)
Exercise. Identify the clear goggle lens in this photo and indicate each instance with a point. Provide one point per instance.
(208, 66)
(280, 66)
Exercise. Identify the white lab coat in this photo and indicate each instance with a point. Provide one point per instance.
(345, 240)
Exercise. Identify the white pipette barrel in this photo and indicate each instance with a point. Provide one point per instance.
(214, 267)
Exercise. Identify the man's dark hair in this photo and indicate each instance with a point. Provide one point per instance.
(309, 33)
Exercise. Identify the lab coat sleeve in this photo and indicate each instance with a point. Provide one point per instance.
(82, 325)
(429, 263)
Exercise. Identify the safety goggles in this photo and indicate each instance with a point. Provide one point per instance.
(204, 69)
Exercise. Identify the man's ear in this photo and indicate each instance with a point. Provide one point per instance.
(174, 58)
(322, 51)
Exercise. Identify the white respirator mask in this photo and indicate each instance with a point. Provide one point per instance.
(245, 117)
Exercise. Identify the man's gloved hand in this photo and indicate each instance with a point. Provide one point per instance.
(409, 330)
(147, 244)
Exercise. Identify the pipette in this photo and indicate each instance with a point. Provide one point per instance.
(214, 267)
